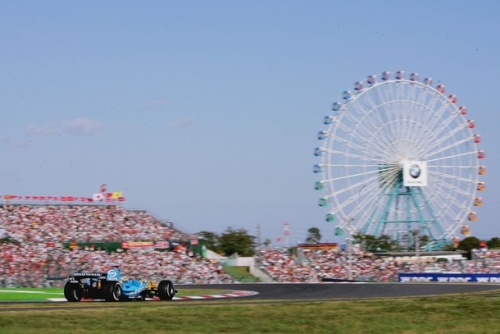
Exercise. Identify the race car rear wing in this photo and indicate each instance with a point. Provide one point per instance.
(111, 275)
(86, 274)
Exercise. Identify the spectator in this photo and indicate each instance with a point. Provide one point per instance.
(27, 259)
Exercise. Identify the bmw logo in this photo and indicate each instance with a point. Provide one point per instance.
(415, 171)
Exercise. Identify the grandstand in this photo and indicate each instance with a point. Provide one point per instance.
(42, 244)
(318, 263)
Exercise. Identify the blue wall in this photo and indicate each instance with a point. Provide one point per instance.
(449, 278)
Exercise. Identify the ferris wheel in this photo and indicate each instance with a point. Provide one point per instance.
(399, 157)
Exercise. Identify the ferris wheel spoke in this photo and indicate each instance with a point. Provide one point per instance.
(376, 105)
(348, 130)
(362, 129)
(366, 201)
(350, 176)
(437, 117)
(378, 119)
(418, 123)
(452, 190)
(463, 180)
(389, 128)
(450, 148)
(438, 108)
(341, 206)
(442, 131)
(464, 154)
(353, 145)
(378, 144)
(359, 186)
(435, 149)
(445, 194)
(353, 156)
(388, 176)
(471, 168)
(452, 210)
(367, 207)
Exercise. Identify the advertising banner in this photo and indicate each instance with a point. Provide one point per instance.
(449, 277)
(415, 173)
(137, 244)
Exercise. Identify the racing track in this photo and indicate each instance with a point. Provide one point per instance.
(289, 293)
(348, 291)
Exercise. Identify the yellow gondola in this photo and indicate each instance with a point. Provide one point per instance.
(465, 230)
(472, 216)
(481, 186)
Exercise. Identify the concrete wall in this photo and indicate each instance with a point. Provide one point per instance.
(249, 262)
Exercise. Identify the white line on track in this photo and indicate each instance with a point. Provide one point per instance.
(33, 292)
(237, 293)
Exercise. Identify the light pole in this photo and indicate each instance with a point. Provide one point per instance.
(417, 246)
(349, 259)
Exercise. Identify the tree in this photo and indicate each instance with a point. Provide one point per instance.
(267, 242)
(494, 243)
(211, 239)
(314, 235)
(237, 241)
(424, 240)
(374, 244)
(468, 244)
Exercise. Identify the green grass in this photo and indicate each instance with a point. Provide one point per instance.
(476, 314)
(12, 294)
(37, 294)
(240, 273)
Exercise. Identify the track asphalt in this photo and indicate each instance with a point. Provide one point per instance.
(348, 291)
(328, 291)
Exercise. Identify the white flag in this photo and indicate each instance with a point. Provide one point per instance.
(98, 197)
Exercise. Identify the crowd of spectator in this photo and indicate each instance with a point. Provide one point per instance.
(35, 253)
(35, 240)
(81, 223)
(314, 265)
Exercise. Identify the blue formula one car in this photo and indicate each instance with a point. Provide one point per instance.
(112, 288)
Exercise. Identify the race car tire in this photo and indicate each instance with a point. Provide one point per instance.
(112, 292)
(73, 292)
(166, 290)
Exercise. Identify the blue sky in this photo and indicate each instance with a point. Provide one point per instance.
(206, 112)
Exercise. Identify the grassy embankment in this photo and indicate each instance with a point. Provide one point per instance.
(240, 274)
(43, 294)
(445, 314)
